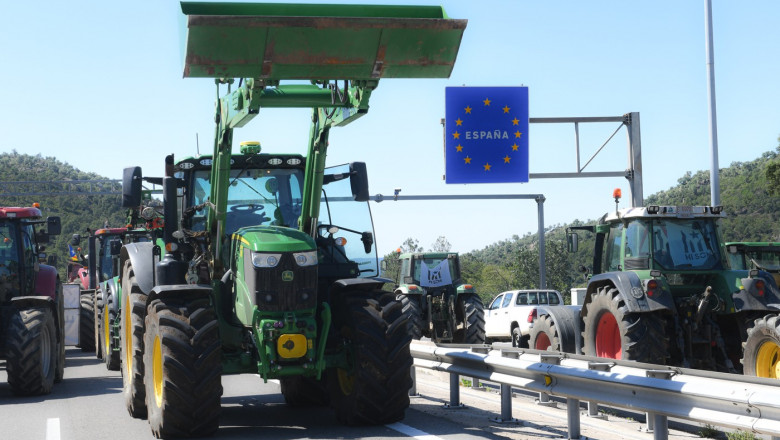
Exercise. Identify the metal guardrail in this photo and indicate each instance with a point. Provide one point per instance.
(718, 399)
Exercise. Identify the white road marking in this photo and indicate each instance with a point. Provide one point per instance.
(412, 432)
(53, 429)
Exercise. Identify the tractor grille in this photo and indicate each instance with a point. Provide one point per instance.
(275, 294)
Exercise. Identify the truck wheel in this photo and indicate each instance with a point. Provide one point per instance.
(413, 311)
(32, 351)
(473, 331)
(544, 335)
(132, 343)
(183, 362)
(304, 391)
(374, 389)
(761, 350)
(610, 331)
(106, 328)
(86, 322)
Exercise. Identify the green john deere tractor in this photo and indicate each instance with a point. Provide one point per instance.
(267, 263)
(438, 303)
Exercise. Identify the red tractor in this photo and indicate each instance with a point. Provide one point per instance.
(31, 305)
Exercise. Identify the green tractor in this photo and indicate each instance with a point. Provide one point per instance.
(755, 255)
(439, 305)
(662, 291)
(267, 263)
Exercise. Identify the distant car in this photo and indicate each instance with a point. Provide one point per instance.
(510, 314)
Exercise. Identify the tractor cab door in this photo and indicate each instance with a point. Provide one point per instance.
(345, 234)
(29, 259)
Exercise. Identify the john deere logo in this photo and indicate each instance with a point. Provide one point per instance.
(287, 275)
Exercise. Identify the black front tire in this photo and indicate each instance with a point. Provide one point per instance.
(31, 351)
(86, 322)
(374, 390)
(611, 331)
(183, 362)
(106, 336)
(132, 343)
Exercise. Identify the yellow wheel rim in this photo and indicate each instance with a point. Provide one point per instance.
(128, 338)
(346, 381)
(768, 360)
(157, 371)
(106, 333)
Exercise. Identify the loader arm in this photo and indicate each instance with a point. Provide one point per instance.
(342, 50)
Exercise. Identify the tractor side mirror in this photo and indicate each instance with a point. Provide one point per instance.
(573, 241)
(358, 181)
(383, 265)
(131, 187)
(51, 260)
(75, 240)
(368, 240)
(53, 225)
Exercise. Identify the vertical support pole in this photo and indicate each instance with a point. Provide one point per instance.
(413, 374)
(658, 423)
(635, 158)
(542, 275)
(573, 417)
(544, 398)
(661, 429)
(714, 170)
(506, 395)
(593, 406)
(454, 391)
(577, 143)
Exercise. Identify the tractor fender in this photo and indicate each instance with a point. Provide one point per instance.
(46, 282)
(26, 302)
(185, 291)
(750, 299)
(567, 321)
(366, 284)
(142, 259)
(632, 290)
(404, 290)
(108, 290)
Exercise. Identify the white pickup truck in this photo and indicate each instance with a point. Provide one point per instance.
(510, 314)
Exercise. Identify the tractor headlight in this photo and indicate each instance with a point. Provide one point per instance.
(308, 258)
(265, 260)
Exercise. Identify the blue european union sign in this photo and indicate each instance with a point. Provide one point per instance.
(486, 134)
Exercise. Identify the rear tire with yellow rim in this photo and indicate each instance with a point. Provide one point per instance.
(761, 349)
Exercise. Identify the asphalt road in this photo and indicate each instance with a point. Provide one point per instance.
(88, 405)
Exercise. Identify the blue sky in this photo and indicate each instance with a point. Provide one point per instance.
(99, 85)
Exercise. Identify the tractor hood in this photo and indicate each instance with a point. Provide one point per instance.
(274, 239)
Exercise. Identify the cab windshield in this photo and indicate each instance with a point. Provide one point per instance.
(255, 197)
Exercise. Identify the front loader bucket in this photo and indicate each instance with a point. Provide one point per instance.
(307, 41)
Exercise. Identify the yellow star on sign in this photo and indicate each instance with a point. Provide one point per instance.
(517, 134)
(506, 159)
(514, 147)
(486, 101)
(515, 121)
(467, 159)
(487, 167)
(459, 148)
(458, 122)
(468, 109)
(456, 135)
(506, 109)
